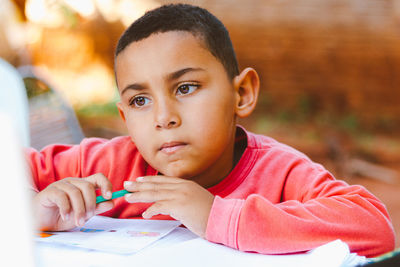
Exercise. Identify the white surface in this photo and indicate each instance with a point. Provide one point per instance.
(16, 228)
(183, 248)
(199, 252)
(14, 101)
(117, 236)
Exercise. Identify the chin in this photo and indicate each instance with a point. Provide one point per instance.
(180, 172)
(185, 169)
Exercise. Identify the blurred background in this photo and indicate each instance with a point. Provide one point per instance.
(329, 69)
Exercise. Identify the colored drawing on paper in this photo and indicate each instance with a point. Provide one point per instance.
(88, 230)
(44, 234)
(141, 234)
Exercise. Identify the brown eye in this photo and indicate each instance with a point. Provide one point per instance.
(185, 89)
(139, 101)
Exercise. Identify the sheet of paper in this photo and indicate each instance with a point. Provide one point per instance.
(177, 236)
(354, 260)
(112, 235)
(182, 248)
(199, 252)
(49, 254)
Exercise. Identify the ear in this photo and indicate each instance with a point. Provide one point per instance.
(121, 111)
(247, 86)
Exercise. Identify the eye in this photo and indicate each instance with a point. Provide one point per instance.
(139, 101)
(185, 89)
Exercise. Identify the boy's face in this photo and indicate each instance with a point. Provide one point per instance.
(179, 105)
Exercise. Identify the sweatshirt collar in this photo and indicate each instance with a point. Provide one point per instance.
(241, 169)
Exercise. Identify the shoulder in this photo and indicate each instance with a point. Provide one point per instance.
(268, 145)
(292, 171)
(270, 153)
(88, 147)
(101, 143)
(117, 145)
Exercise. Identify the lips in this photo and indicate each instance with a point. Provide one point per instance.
(172, 147)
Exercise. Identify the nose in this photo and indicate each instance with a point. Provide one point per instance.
(166, 115)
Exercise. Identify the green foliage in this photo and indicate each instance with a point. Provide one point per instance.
(98, 110)
(350, 123)
(35, 87)
(70, 15)
(305, 107)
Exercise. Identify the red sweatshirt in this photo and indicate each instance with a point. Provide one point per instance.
(275, 200)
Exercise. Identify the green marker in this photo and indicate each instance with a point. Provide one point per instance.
(115, 194)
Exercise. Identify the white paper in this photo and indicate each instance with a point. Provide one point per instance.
(113, 235)
(177, 236)
(199, 252)
(182, 248)
(354, 260)
(49, 254)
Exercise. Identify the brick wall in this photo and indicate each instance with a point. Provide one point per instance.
(334, 57)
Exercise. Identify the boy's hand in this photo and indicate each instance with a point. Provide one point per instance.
(70, 202)
(183, 200)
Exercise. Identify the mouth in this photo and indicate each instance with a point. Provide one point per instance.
(172, 147)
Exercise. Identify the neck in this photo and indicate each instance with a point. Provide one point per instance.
(213, 176)
(222, 167)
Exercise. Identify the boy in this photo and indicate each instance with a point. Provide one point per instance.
(181, 92)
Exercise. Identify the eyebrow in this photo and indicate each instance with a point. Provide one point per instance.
(175, 75)
(133, 86)
(169, 77)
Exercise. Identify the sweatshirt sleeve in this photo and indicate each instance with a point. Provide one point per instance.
(118, 159)
(52, 163)
(314, 209)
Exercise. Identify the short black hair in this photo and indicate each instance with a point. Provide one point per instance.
(184, 17)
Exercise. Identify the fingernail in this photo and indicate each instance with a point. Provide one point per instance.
(140, 179)
(66, 216)
(81, 222)
(128, 183)
(147, 215)
(108, 194)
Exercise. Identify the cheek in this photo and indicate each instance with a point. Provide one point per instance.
(138, 130)
(212, 119)
(216, 112)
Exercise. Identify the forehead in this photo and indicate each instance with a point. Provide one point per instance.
(161, 53)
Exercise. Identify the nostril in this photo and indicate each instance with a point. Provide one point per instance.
(171, 124)
(167, 125)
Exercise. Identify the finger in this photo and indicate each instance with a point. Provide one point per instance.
(102, 182)
(60, 199)
(160, 179)
(143, 186)
(88, 194)
(149, 196)
(77, 202)
(160, 207)
(104, 206)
